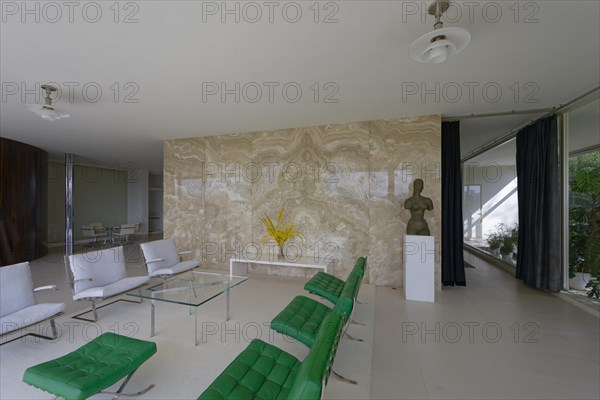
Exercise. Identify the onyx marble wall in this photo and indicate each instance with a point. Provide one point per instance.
(344, 185)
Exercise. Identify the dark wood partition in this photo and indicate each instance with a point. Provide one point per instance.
(23, 202)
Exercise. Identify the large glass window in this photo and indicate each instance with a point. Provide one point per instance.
(490, 203)
(584, 199)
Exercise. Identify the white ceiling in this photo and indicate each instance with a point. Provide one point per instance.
(171, 51)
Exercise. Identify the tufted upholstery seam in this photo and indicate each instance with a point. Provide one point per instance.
(243, 378)
(330, 287)
(301, 319)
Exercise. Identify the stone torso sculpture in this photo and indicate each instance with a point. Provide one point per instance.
(417, 205)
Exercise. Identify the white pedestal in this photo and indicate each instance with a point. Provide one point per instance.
(419, 268)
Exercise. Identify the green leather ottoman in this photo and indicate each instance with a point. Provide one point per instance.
(92, 368)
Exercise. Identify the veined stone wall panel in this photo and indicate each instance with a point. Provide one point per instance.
(344, 185)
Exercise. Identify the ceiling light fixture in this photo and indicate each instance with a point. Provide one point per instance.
(47, 111)
(434, 47)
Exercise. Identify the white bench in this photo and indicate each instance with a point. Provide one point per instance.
(238, 265)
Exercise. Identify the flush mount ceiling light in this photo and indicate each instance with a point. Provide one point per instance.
(47, 111)
(434, 47)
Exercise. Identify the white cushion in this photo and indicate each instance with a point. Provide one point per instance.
(16, 288)
(103, 267)
(29, 315)
(177, 268)
(164, 249)
(112, 289)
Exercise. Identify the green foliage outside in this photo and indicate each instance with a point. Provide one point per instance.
(584, 218)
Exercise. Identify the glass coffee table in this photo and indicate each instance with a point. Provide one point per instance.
(191, 289)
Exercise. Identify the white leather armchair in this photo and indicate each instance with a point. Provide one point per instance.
(163, 260)
(98, 275)
(18, 305)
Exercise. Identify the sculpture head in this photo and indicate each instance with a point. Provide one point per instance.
(418, 186)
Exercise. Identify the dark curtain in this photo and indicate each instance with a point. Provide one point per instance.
(453, 268)
(538, 257)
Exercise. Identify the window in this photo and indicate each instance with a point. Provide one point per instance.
(490, 202)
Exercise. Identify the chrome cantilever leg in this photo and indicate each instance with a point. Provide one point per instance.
(352, 337)
(152, 312)
(95, 312)
(53, 327)
(120, 393)
(37, 335)
(343, 378)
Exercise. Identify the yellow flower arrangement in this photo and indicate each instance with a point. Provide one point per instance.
(280, 231)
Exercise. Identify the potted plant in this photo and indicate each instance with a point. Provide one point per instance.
(494, 241)
(509, 237)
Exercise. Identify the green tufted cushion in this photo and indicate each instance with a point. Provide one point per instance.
(301, 319)
(261, 371)
(325, 285)
(265, 372)
(330, 287)
(91, 368)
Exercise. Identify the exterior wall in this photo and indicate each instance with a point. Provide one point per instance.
(344, 185)
(137, 199)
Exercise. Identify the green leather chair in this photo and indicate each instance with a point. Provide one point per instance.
(263, 371)
(302, 318)
(330, 287)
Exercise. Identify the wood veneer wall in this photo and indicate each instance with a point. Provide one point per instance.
(23, 200)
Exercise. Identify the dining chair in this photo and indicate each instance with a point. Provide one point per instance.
(123, 231)
(89, 231)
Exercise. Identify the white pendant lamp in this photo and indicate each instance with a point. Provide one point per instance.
(47, 111)
(436, 46)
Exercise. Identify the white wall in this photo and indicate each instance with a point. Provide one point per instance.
(155, 204)
(137, 199)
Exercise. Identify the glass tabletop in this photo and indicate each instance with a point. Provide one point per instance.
(191, 288)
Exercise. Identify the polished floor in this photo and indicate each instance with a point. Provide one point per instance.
(493, 339)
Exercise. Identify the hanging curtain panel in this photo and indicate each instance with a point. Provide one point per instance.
(538, 259)
(453, 268)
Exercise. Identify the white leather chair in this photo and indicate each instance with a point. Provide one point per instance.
(124, 231)
(98, 275)
(18, 306)
(163, 260)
